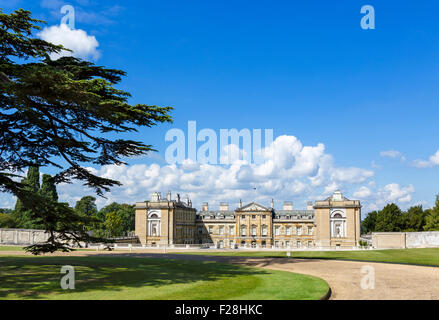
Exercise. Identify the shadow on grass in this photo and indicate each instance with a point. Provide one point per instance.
(252, 261)
(33, 277)
(424, 258)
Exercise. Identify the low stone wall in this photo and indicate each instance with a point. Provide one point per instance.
(401, 240)
(22, 236)
(388, 240)
(427, 239)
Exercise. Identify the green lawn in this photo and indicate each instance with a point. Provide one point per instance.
(142, 278)
(429, 256)
(21, 248)
(11, 248)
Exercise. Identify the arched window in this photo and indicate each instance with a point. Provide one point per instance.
(338, 224)
(154, 224)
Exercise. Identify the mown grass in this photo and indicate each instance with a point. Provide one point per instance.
(11, 248)
(21, 248)
(124, 277)
(422, 256)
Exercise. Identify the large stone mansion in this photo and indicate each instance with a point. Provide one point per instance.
(333, 222)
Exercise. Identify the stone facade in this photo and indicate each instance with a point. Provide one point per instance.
(165, 221)
(338, 220)
(333, 222)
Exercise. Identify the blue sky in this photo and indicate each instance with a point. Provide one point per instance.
(304, 69)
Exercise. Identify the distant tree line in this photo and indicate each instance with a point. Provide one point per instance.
(111, 221)
(392, 219)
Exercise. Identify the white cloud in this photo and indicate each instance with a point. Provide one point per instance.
(376, 198)
(83, 45)
(395, 193)
(351, 175)
(394, 154)
(362, 193)
(330, 188)
(431, 162)
(291, 172)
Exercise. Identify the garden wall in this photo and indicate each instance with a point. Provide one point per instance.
(422, 239)
(22, 236)
(401, 240)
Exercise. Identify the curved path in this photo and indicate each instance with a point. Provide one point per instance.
(391, 281)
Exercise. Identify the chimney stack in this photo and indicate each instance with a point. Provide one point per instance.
(155, 197)
(288, 205)
(187, 200)
(309, 206)
(205, 206)
(224, 206)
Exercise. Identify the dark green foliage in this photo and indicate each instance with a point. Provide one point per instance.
(48, 188)
(113, 224)
(432, 218)
(368, 224)
(22, 215)
(31, 183)
(363, 243)
(392, 219)
(87, 206)
(126, 212)
(389, 219)
(413, 220)
(115, 220)
(15, 37)
(6, 220)
(59, 113)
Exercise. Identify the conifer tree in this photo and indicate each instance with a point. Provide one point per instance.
(61, 113)
(21, 214)
(48, 188)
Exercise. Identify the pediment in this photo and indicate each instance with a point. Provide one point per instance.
(254, 207)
